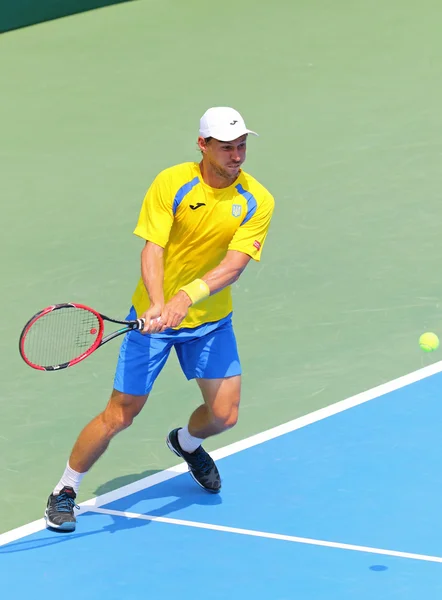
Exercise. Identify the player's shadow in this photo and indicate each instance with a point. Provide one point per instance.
(181, 492)
(119, 482)
(178, 493)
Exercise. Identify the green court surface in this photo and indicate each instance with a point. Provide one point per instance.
(347, 98)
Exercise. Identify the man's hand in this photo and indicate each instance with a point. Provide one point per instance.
(152, 318)
(175, 310)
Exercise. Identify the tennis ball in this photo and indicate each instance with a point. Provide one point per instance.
(429, 342)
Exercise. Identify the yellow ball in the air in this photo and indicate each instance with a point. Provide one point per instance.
(429, 342)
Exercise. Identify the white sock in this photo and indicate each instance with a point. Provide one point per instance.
(187, 442)
(70, 478)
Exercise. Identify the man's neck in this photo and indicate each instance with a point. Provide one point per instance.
(213, 178)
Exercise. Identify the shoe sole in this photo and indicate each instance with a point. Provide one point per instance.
(68, 526)
(171, 447)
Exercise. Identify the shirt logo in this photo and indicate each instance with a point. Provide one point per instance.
(257, 245)
(236, 210)
(233, 122)
(197, 205)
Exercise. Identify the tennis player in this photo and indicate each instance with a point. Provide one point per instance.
(202, 223)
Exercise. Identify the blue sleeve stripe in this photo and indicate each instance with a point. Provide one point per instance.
(251, 203)
(183, 191)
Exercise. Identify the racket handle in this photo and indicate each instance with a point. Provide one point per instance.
(140, 323)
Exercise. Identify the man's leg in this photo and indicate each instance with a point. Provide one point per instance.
(218, 413)
(220, 409)
(212, 359)
(95, 437)
(90, 445)
(140, 361)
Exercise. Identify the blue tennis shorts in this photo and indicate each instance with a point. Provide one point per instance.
(208, 351)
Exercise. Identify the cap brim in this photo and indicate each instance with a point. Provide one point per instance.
(222, 137)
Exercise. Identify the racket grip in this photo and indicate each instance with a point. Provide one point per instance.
(140, 323)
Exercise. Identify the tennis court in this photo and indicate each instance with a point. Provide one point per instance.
(322, 497)
(334, 505)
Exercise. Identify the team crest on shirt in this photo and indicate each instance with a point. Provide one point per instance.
(236, 210)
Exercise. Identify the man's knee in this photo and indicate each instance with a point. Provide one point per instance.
(226, 417)
(121, 410)
(222, 397)
(232, 418)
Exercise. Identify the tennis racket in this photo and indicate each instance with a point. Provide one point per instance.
(62, 335)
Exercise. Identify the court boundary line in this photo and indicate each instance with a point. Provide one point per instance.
(268, 535)
(254, 440)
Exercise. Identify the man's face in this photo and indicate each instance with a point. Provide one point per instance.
(225, 158)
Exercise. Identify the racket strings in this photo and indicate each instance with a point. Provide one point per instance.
(60, 336)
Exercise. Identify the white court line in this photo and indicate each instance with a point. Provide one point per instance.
(254, 440)
(271, 536)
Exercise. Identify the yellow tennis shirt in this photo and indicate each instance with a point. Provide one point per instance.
(196, 225)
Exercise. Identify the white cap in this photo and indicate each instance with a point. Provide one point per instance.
(223, 123)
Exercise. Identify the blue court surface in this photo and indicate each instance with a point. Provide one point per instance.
(341, 504)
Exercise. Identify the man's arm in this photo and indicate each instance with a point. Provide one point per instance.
(152, 272)
(227, 272)
(224, 274)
